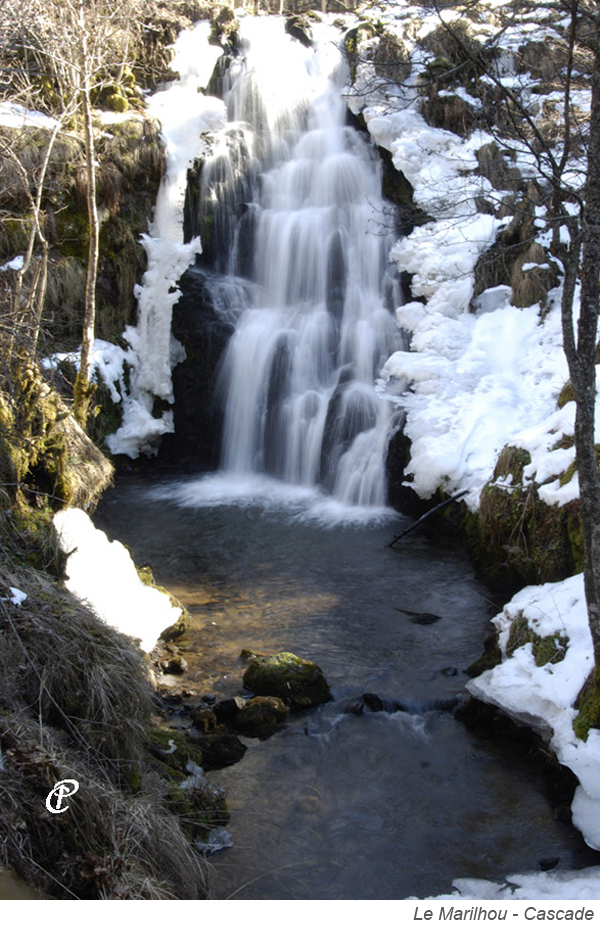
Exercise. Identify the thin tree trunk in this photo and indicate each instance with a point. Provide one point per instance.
(584, 383)
(83, 390)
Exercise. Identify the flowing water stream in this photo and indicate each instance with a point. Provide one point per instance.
(286, 549)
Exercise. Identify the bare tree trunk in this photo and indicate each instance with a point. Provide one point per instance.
(585, 383)
(83, 389)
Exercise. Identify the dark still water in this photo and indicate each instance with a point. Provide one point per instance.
(338, 805)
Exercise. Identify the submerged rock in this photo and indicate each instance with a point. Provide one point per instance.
(298, 682)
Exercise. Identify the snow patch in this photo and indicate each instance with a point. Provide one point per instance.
(102, 575)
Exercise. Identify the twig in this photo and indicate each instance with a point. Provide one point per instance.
(445, 503)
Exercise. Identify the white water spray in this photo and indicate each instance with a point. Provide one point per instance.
(299, 372)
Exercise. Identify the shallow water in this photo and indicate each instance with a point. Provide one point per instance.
(375, 806)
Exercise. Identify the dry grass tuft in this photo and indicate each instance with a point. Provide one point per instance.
(75, 703)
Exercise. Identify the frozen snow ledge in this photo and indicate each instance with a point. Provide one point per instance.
(102, 575)
(542, 697)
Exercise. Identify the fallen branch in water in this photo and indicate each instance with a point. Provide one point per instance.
(454, 497)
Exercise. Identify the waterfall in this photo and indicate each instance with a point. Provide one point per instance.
(290, 200)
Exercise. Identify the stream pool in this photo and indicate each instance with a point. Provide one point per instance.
(342, 805)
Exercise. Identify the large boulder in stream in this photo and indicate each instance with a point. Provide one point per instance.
(298, 682)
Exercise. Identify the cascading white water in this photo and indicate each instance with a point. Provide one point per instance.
(299, 373)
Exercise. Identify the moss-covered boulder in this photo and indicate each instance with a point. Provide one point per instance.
(516, 538)
(262, 717)
(391, 59)
(298, 682)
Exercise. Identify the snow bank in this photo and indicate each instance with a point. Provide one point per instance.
(480, 373)
(478, 370)
(102, 574)
(542, 697)
(583, 885)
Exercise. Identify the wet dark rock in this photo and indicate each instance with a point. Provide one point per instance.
(373, 702)
(448, 704)
(262, 717)
(174, 665)
(548, 863)
(219, 750)
(204, 719)
(227, 710)
(492, 656)
(204, 335)
(299, 28)
(208, 698)
(355, 707)
(424, 619)
(298, 682)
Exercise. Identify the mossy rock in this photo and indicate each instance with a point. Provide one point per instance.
(224, 27)
(391, 59)
(448, 111)
(298, 682)
(220, 750)
(588, 705)
(515, 537)
(173, 750)
(116, 102)
(183, 624)
(262, 717)
(354, 44)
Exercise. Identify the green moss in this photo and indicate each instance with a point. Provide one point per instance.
(14, 235)
(298, 682)
(72, 231)
(354, 39)
(546, 649)
(575, 534)
(515, 537)
(566, 395)
(588, 705)
(173, 750)
(198, 804)
(117, 103)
